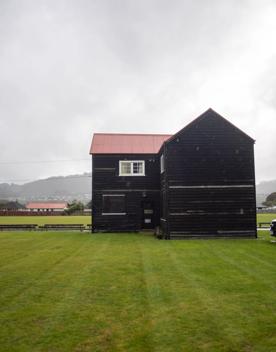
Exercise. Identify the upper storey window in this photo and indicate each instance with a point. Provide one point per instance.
(132, 168)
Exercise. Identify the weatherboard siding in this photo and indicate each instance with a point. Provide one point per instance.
(210, 182)
(164, 215)
(136, 189)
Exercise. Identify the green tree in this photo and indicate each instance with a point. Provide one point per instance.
(89, 205)
(74, 207)
(11, 205)
(270, 200)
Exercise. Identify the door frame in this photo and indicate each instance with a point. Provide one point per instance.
(148, 206)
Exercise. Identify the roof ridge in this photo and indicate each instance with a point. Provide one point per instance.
(46, 202)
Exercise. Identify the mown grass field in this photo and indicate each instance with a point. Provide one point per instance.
(131, 292)
(42, 220)
(265, 217)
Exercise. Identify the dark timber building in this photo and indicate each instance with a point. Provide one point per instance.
(199, 182)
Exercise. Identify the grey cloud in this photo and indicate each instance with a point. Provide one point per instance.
(71, 68)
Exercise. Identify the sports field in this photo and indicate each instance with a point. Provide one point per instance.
(131, 292)
(42, 220)
(266, 217)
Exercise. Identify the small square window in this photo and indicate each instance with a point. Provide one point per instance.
(132, 168)
(114, 204)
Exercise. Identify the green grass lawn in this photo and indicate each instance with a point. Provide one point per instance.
(42, 220)
(131, 292)
(265, 217)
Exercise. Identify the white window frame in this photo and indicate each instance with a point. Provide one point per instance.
(162, 165)
(113, 195)
(131, 167)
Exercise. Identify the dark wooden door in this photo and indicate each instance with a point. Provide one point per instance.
(147, 215)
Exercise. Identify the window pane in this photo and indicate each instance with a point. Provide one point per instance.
(162, 163)
(114, 204)
(138, 168)
(126, 168)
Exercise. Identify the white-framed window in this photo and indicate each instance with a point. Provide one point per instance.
(162, 167)
(132, 168)
(114, 204)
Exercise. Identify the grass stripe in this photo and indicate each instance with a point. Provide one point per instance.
(131, 292)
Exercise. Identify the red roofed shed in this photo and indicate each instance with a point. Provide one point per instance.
(46, 206)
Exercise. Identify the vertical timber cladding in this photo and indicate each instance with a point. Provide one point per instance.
(211, 180)
(134, 189)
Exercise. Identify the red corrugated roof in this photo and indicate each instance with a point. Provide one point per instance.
(45, 205)
(109, 143)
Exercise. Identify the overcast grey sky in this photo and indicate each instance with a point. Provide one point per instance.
(72, 68)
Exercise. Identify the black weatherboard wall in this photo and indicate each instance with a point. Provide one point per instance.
(208, 186)
(135, 192)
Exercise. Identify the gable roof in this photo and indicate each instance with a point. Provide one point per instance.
(125, 143)
(208, 113)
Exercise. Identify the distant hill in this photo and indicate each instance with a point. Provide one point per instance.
(266, 187)
(53, 188)
(263, 189)
(79, 187)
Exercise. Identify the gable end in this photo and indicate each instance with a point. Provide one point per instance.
(210, 113)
